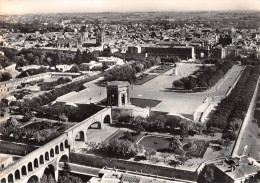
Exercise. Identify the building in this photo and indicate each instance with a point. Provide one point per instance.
(134, 49)
(92, 64)
(219, 52)
(202, 52)
(5, 160)
(63, 68)
(184, 52)
(232, 52)
(110, 61)
(236, 170)
(118, 93)
(100, 36)
(225, 40)
(107, 175)
(66, 43)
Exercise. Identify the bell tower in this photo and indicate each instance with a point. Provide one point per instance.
(100, 35)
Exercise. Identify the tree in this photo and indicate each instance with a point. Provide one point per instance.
(57, 59)
(165, 155)
(149, 153)
(28, 115)
(153, 34)
(184, 129)
(231, 135)
(234, 124)
(128, 136)
(66, 167)
(63, 117)
(178, 84)
(107, 52)
(78, 58)
(207, 175)
(119, 148)
(69, 179)
(47, 179)
(74, 68)
(5, 76)
(104, 66)
(175, 144)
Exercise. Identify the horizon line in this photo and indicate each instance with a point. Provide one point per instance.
(154, 11)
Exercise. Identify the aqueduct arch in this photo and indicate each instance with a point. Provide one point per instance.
(41, 160)
(35, 163)
(17, 175)
(33, 179)
(107, 119)
(10, 178)
(80, 136)
(49, 171)
(38, 161)
(63, 158)
(24, 171)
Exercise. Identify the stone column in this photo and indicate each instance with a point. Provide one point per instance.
(119, 99)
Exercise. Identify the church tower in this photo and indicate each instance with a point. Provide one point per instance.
(100, 35)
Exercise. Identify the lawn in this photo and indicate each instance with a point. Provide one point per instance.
(160, 143)
(144, 78)
(20, 94)
(144, 102)
(47, 125)
(162, 69)
(155, 142)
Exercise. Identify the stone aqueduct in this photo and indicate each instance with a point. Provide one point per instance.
(47, 157)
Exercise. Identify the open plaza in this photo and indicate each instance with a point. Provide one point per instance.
(160, 89)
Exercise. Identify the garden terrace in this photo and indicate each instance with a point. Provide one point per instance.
(230, 113)
(47, 97)
(21, 93)
(161, 123)
(128, 71)
(206, 79)
(73, 113)
(195, 148)
(236, 104)
(143, 79)
(37, 133)
(162, 69)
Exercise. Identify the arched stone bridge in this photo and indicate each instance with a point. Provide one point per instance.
(31, 167)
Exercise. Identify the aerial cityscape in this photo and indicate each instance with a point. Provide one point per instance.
(138, 91)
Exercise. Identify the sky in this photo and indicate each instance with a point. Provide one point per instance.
(71, 6)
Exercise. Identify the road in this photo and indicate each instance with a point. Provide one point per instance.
(249, 133)
(80, 169)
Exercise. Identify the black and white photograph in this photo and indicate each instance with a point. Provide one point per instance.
(129, 91)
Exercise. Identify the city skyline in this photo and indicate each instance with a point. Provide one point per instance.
(85, 6)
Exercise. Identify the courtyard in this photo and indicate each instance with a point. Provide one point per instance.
(203, 147)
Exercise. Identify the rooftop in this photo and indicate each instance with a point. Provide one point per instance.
(4, 157)
(237, 168)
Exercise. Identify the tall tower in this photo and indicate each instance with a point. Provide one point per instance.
(100, 35)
